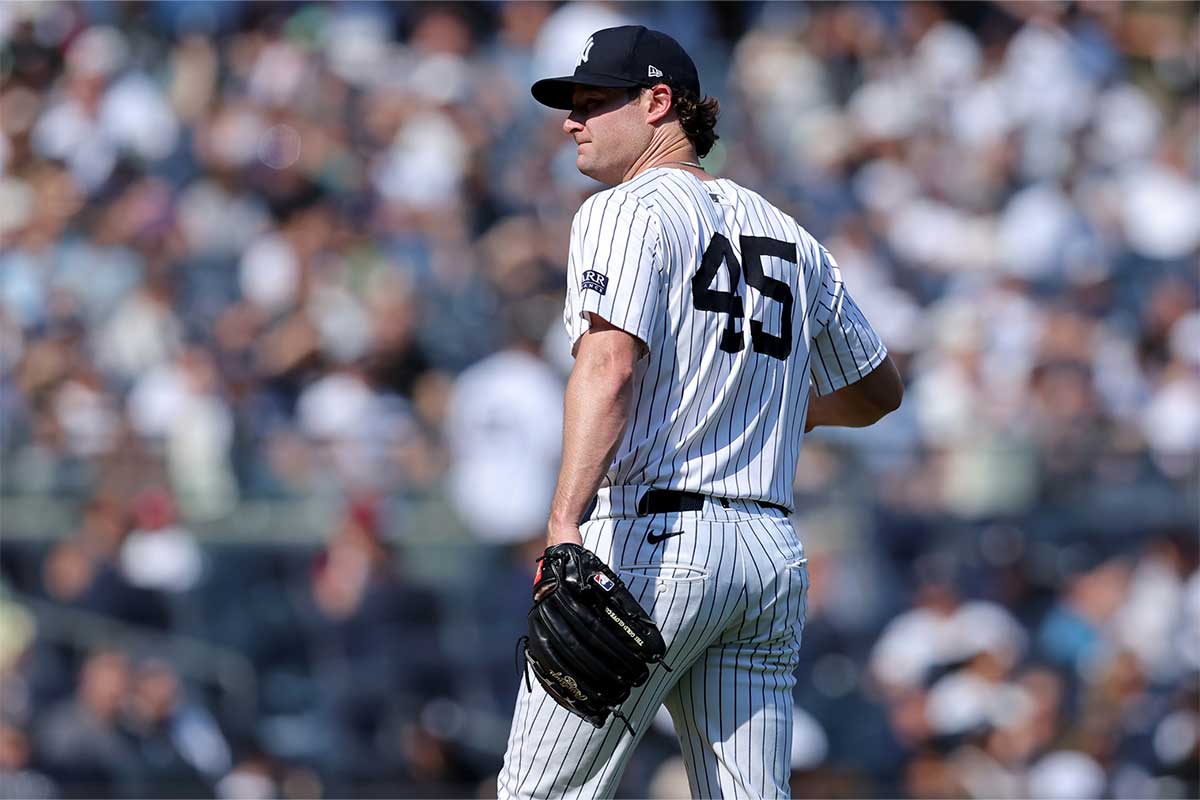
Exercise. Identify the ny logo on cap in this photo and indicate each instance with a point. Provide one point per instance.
(587, 48)
(655, 72)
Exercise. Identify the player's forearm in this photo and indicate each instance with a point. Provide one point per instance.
(594, 417)
(860, 404)
(834, 411)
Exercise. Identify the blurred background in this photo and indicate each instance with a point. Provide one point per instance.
(281, 372)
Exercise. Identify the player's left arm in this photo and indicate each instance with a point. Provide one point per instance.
(854, 381)
(595, 413)
(862, 403)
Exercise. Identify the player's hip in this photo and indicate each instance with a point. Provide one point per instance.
(637, 501)
(741, 579)
(685, 537)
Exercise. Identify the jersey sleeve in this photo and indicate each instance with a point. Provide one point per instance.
(614, 267)
(845, 346)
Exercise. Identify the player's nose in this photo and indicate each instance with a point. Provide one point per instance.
(571, 125)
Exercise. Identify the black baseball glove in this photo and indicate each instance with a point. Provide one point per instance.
(589, 642)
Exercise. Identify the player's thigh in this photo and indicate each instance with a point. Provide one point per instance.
(554, 754)
(679, 572)
(733, 711)
(733, 707)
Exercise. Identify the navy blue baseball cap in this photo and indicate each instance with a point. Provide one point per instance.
(624, 57)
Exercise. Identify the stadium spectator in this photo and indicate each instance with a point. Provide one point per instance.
(82, 739)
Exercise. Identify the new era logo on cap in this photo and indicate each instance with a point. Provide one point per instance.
(655, 72)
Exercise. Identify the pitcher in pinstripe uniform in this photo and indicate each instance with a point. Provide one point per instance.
(710, 331)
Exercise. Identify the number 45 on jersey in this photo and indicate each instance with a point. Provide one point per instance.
(754, 249)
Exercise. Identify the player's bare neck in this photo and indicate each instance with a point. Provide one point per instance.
(674, 154)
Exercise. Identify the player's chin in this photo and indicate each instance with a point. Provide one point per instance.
(587, 166)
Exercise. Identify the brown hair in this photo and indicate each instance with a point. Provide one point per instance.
(697, 116)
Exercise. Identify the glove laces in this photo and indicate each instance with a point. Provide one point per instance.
(617, 713)
(521, 661)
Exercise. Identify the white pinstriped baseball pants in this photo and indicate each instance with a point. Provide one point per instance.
(729, 595)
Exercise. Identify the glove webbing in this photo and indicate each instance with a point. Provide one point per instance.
(522, 664)
(524, 670)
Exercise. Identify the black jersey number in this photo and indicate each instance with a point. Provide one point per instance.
(754, 249)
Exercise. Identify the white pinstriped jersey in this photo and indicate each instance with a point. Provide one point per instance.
(740, 309)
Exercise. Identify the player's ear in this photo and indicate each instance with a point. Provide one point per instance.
(659, 102)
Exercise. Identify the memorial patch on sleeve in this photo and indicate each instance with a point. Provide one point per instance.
(595, 281)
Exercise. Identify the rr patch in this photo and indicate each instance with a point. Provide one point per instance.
(595, 281)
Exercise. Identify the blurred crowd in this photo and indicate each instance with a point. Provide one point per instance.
(309, 258)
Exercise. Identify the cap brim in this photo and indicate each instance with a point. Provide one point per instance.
(557, 92)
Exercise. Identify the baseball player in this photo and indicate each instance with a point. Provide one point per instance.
(710, 331)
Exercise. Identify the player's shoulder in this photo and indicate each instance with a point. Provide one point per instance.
(616, 201)
(808, 244)
(663, 192)
(761, 205)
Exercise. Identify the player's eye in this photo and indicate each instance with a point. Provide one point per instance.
(588, 104)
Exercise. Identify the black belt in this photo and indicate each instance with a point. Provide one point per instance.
(669, 501)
